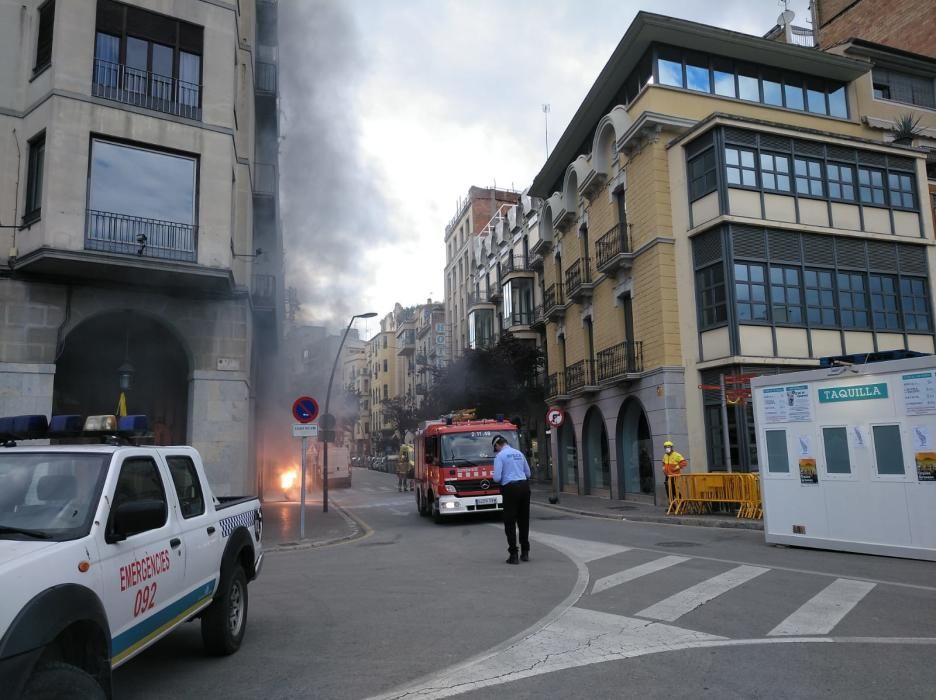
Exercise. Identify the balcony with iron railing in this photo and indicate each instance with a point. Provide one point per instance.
(556, 387)
(578, 279)
(109, 232)
(264, 292)
(581, 376)
(554, 301)
(406, 342)
(495, 293)
(477, 299)
(614, 249)
(519, 319)
(140, 88)
(620, 361)
(516, 266)
(539, 317)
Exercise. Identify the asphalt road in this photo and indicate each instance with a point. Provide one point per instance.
(604, 610)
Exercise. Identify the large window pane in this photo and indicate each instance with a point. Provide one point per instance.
(816, 99)
(793, 93)
(724, 83)
(888, 450)
(778, 459)
(748, 84)
(837, 103)
(669, 68)
(835, 444)
(138, 182)
(771, 84)
(697, 73)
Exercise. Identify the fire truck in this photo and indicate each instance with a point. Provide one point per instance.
(455, 466)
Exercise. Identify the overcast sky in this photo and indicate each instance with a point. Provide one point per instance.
(413, 101)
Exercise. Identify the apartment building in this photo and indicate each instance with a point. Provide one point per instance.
(430, 347)
(906, 25)
(127, 209)
(355, 387)
(384, 378)
(473, 214)
(720, 204)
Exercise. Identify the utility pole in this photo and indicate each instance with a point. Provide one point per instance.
(546, 126)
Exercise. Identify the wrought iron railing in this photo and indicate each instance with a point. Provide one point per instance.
(553, 296)
(520, 318)
(555, 385)
(132, 86)
(580, 374)
(475, 298)
(264, 291)
(620, 360)
(539, 316)
(578, 274)
(147, 238)
(517, 263)
(612, 244)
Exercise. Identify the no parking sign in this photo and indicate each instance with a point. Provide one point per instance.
(555, 417)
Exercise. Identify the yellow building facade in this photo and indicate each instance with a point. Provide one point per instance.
(720, 205)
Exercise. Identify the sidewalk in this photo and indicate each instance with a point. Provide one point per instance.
(635, 511)
(281, 525)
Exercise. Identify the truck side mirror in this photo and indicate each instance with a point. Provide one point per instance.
(132, 517)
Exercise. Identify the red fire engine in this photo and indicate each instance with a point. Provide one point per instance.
(455, 466)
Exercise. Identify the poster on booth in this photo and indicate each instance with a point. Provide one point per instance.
(924, 455)
(807, 463)
(919, 393)
(787, 404)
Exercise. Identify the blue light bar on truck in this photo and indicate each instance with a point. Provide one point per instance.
(29, 427)
(133, 424)
(63, 426)
(38, 427)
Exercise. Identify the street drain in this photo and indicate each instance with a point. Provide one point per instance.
(678, 544)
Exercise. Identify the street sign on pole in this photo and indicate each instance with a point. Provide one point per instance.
(302, 493)
(555, 417)
(305, 409)
(305, 430)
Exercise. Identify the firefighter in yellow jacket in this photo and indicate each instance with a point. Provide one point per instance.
(673, 464)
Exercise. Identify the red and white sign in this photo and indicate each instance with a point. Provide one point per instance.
(555, 417)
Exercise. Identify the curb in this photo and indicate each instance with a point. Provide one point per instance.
(663, 519)
(359, 530)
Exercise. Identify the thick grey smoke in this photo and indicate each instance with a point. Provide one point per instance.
(332, 208)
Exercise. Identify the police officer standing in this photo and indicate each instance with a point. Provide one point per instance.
(512, 472)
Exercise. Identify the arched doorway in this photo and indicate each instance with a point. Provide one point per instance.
(635, 451)
(87, 378)
(568, 456)
(597, 453)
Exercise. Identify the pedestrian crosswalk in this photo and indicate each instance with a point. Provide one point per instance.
(636, 572)
(821, 613)
(674, 607)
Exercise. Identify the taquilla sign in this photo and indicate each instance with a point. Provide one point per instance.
(861, 392)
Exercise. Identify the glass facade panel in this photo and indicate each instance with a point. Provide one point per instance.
(724, 83)
(820, 297)
(775, 172)
(853, 301)
(901, 190)
(750, 292)
(841, 180)
(808, 176)
(871, 186)
(914, 302)
(793, 93)
(838, 105)
(884, 311)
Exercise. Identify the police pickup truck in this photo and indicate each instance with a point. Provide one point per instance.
(105, 548)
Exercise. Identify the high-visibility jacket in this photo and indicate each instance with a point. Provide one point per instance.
(673, 463)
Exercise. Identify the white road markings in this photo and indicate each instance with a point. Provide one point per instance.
(821, 613)
(582, 551)
(672, 608)
(635, 572)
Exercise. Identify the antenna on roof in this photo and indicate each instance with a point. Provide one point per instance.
(546, 126)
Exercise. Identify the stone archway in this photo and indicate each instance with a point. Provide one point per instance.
(87, 380)
(597, 453)
(568, 457)
(634, 451)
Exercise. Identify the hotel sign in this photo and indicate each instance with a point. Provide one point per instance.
(861, 392)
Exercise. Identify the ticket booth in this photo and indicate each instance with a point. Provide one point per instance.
(847, 457)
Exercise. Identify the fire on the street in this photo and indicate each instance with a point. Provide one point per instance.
(288, 479)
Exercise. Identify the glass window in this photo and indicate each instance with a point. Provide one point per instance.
(835, 444)
(853, 300)
(775, 172)
(748, 84)
(740, 168)
(697, 73)
(750, 292)
(871, 186)
(710, 283)
(816, 98)
(785, 296)
(669, 68)
(771, 85)
(139, 480)
(384, 365)
(34, 177)
(44, 36)
(138, 182)
(106, 59)
(914, 302)
(188, 487)
(808, 176)
(820, 297)
(723, 74)
(881, 91)
(778, 458)
(841, 180)
(793, 93)
(888, 450)
(838, 106)
(702, 178)
(884, 310)
(901, 190)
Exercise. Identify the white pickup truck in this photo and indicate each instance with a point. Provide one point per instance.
(104, 549)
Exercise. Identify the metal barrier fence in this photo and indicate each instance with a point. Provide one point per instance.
(695, 493)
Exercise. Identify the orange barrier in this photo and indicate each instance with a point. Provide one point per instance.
(695, 493)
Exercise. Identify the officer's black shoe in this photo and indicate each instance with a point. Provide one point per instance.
(525, 556)
(512, 559)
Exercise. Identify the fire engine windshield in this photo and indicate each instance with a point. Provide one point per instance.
(473, 448)
(50, 496)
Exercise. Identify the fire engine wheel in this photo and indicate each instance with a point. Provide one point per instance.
(436, 515)
(422, 504)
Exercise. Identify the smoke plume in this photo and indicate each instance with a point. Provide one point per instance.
(333, 210)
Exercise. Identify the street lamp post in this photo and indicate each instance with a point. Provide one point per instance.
(327, 429)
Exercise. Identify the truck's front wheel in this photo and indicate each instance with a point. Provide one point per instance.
(436, 513)
(224, 622)
(59, 681)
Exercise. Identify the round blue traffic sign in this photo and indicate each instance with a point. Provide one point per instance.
(305, 409)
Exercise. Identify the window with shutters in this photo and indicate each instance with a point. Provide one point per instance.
(702, 178)
(904, 87)
(44, 36)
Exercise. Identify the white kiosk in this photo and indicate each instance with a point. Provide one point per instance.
(847, 457)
